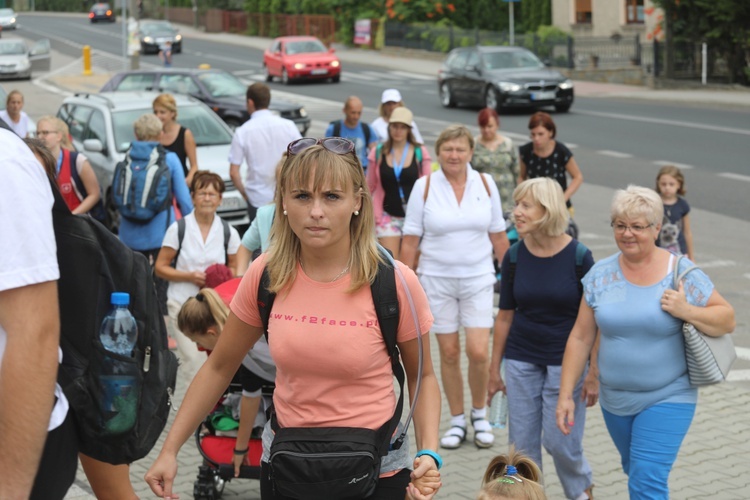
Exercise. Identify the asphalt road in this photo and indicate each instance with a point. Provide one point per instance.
(712, 143)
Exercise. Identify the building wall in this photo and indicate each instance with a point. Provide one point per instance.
(608, 17)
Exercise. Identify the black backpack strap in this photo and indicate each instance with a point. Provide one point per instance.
(265, 300)
(180, 237)
(336, 128)
(227, 234)
(581, 250)
(75, 176)
(385, 298)
(368, 133)
(513, 252)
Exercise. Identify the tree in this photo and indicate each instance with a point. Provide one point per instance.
(723, 24)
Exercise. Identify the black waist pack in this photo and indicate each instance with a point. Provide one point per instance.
(325, 462)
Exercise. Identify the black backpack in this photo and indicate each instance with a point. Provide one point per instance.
(365, 129)
(338, 462)
(93, 264)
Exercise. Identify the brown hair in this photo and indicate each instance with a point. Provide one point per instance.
(43, 155)
(542, 119)
(675, 172)
(451, 133)
(260, 94)
(205, 178)
(512, 476)
(484, 117)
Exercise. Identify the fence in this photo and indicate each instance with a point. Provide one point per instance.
(273, 25)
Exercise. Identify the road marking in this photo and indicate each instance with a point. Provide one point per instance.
(614, 154)
(569, 144)
(747, 275)
(718, 263)
(738, 376)
(743, 353)
(665, 163)
(736, 177)
(660, 121)
(243, 72)
(414, 76)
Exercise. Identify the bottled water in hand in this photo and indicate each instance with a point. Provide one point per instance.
(118, 378)
(499, 411)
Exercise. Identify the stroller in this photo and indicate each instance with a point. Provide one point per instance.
(217, 448)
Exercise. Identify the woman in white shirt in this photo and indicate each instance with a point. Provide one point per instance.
(457, 213)
(202, 245)
(13, 114)
(390, 100)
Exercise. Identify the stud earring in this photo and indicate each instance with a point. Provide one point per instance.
(356, 212)
(284, 212)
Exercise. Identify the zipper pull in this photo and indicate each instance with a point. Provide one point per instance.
(147, 360)
(170, 401)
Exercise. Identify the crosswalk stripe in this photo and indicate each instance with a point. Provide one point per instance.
(737, 177)
(614, 154)
(414, 76)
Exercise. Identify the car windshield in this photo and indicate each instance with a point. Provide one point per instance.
(6, 12)
(221, 84)
(12, 48)
(206, 127)
(520, 59)
(154, 27)
(305, 47)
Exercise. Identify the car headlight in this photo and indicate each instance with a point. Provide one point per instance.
(567, 84)
(23, 65)
(302, 112)
(508, 86)
(335, 64)
(12, 20)
(298, 65)
(178, 38)
(148, 39)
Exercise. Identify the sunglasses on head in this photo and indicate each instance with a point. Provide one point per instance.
(337, 145)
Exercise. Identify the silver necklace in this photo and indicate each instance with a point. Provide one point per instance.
(343, 272)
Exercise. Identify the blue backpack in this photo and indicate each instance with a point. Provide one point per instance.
(142, 191)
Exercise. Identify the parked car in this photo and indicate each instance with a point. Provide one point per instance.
(221, 91)
(153, 34)
(101, 11)
(300, 57)
(502, 77)
(8, 19)
(101, 127)
(18, 61)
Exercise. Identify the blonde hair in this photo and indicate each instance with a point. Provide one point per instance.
(60, 126)
(201, 312)
(675, 172)
(381, 109)
(11, 94)
(167, 102)
(323, 168)
(147, 127)
(500, 482)
(637, 201)
(452, 133)
(549, 195)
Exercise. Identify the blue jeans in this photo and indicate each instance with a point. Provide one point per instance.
(648, 443)
(532, 400)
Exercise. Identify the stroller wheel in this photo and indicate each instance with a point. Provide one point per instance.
(208, 485)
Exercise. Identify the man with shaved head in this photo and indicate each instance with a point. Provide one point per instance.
(352, 128)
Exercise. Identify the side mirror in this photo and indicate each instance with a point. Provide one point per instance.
(473, 68)
(93, 145)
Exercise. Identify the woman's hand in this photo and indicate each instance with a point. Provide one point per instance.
(675, 303)
(494, 385)
(565, 413)
(425, 479)
(238, 459)
(198, 278)
(160, 477)
(590, 392)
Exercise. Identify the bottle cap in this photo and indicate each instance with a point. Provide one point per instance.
(120, 299)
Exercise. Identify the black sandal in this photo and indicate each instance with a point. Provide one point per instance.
(448, 442)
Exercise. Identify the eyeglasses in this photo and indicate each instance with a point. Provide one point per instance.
(206, 194)
(337, 145)
(43, 133)
(634, 229)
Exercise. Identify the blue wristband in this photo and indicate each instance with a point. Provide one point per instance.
(433, 455)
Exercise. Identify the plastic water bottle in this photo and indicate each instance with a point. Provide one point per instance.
(118, 378)
(499, 406)
(499, 411)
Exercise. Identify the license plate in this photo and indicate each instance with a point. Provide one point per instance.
(7, 69)
(161, 40)
(232, 203)
(542, 96)
(319, 72)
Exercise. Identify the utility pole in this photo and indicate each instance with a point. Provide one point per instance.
(511, 21)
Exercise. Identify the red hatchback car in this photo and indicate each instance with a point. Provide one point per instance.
(300, 57)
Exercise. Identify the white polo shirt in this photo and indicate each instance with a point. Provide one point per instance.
(28, 250)
(455, 238)
(260, 142)
(196, 254)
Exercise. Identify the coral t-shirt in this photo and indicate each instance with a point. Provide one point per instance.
(333, 369)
